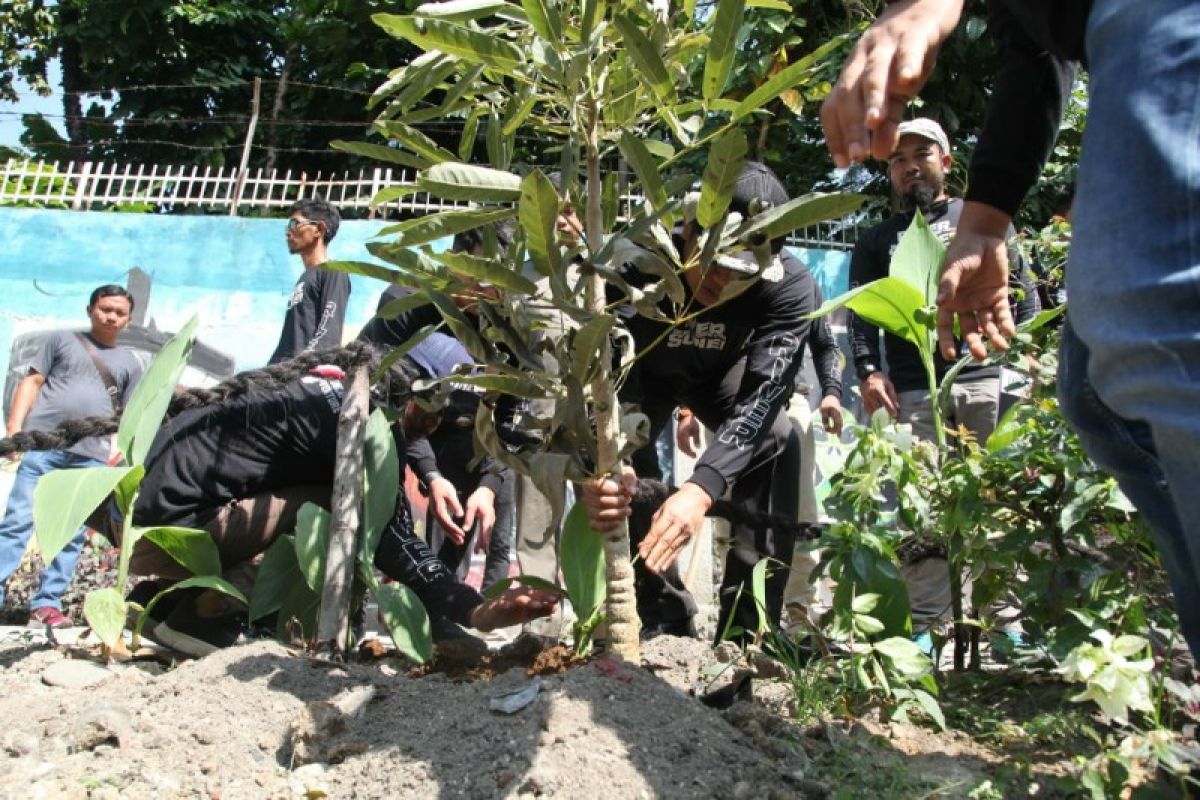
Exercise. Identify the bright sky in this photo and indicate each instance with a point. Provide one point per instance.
(32, 103)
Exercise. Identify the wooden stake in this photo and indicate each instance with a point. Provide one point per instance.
(333, 623)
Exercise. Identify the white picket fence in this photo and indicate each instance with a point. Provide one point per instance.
(89, 185)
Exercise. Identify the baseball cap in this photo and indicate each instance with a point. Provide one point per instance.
(438, 355)
(926, 129)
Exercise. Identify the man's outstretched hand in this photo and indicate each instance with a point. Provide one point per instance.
(677, 520)
(513, 608)
(887, 67)
(974, 283)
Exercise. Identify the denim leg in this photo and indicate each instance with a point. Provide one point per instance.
(1125, 449)
(56, 577)
(1134, 274)
(17, 526)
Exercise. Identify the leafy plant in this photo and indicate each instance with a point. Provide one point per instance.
(64, 499)
(292, 574)
(599, 83)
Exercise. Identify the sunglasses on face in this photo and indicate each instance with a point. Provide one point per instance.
(294, 223)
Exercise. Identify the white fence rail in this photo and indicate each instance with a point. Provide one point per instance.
(89, 185)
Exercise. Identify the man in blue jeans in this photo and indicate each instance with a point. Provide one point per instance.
(1129, 377)
(74, 375)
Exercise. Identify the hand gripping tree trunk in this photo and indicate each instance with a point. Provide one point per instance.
(623, 623)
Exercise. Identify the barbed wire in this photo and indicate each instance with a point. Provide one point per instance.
(146, 87)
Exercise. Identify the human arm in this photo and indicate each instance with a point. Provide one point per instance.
(23, 400)
(1019, 129)
(481, 507)
(443, 495)
(687, 432)
(887, 67)
(333, 290)
(772, 359)
(868, 263)
(403, 556)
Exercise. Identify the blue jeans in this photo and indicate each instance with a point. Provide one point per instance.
(17, 526)
(1131, 366)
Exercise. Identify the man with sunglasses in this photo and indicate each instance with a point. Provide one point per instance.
(317, 306)
(733, 364)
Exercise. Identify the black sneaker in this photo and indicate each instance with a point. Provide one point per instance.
(197, 636)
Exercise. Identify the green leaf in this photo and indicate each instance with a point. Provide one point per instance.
(430, 228)
(298, 613)
(197, 581)
(312, 544)
(722, 46)
(772, 5)
(644, 166)
(544, 19)
(392, 193)
(470, 45)
(382, 474)
(460, 10)
(143, 413)
(400, 305)
(456, 181)
(64, 499)
(532, 581)
(651, 69)
(593, 14)
(866, 572)
(890, 303)
(414, 140)
(538, 213)
(518, 114)
(278, 571)
(787, 78)
(368, 270)
(725, 160)
(918, 259)
(462, 328)
(582, 563)
(406, 620)
(104, 610)
(800, 213)
(381, 152)
(758, 591)
(466, 144)
(486, 270)
(193, 549)
(585, 345)
(423, 80)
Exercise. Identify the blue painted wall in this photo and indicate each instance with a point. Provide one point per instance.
(235, 273)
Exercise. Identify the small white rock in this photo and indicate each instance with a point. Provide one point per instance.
(76, 674)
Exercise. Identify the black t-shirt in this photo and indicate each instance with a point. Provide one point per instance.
(315, 313)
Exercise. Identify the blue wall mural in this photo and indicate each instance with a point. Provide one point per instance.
(235, 273)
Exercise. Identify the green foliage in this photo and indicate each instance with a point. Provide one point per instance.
(64, 499)
(144, 412)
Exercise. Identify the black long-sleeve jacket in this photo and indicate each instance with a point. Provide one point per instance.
(205, 458)
(824, 350)
(871, 261)
(765, 325)
(1041, 42)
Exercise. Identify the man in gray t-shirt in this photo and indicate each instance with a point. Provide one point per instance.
(65, 382)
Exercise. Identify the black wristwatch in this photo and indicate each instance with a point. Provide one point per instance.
(865, 370)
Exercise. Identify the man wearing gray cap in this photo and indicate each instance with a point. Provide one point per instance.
(917, 170)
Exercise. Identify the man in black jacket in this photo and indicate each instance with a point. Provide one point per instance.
(1128, 376)
(734, 366)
